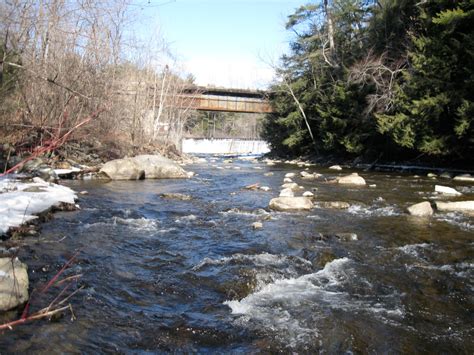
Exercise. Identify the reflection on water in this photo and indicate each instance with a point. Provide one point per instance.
(171, 275)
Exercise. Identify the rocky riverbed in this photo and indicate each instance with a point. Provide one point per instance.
(207, 263)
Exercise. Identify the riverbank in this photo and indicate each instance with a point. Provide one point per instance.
(33, 192)
(378, 164)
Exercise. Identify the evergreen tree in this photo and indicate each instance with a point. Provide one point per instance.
(435, 104)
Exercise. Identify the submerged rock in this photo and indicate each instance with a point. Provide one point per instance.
(13, 283)
(422, 209)
(345, 237)
(334, 204)
(352, 179)
(177, 196)
(143, 166)
(290, 203)
(446, 190)
(446, 175)
(308, 176)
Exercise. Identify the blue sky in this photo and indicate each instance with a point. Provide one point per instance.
(225, 42)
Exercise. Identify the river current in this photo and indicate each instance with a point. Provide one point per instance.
(167, 275)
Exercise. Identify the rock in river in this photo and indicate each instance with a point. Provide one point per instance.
(352, 179)
(177, 196)
(464, 177)
(421, 209)
(257, 225)
(287, 193)
(290, 203)
(291, 185)
(143, 166)
(446, 190)
(13, 283)
(461, 206)
(338, 205)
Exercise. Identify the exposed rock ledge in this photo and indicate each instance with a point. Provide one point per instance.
(459, 206)
(143, 167)
(291, 203)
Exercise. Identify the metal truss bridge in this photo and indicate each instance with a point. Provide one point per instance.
(225, 100)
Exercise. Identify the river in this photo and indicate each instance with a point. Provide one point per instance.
(164, 275)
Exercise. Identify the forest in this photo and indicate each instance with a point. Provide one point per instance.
(80, 71)
(385, 80)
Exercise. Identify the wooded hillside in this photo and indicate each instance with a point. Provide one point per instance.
(390, 79)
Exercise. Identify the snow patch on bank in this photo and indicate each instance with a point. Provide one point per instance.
(20, 201)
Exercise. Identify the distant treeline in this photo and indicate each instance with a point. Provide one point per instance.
(390, 79)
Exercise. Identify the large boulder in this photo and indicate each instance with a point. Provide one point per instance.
(143, 166)
(123, 169)
(352, 179)
(460, 206)
(159, 167)
(291, 203)
(422, 209)
(13, 283)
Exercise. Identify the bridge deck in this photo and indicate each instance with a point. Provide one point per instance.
(226, 100)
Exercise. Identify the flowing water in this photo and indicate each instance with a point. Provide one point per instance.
(163, 275)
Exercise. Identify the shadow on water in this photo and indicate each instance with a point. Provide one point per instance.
(170, 275)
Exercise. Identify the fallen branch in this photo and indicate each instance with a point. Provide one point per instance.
(32, 317)
(56, 305)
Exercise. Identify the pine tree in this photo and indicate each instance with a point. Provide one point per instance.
(435, 104)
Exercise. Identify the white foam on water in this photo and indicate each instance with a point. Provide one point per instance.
(371, 211)
(414, 249)
(258, 260)
(186, 219)
(238, 212)
(316, 217)
(139, 224)
(282, 307)
(460, 220)
(462, 270)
